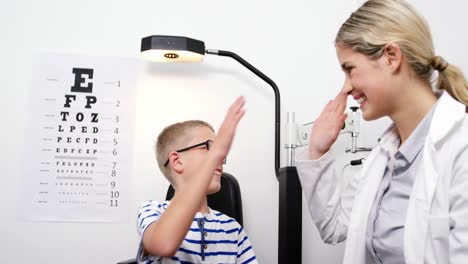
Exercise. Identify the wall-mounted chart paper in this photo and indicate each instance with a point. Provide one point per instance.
(79, 151)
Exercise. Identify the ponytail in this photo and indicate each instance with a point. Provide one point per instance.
(451, 79)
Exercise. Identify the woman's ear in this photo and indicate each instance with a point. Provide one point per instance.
(392, 56)
(175, 163)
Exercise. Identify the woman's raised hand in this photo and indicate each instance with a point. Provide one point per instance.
(327, 126)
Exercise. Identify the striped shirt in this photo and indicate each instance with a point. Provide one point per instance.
(212, 238)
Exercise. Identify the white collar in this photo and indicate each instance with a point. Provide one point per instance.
(448, 113)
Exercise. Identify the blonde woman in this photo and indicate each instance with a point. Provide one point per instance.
(409, 204)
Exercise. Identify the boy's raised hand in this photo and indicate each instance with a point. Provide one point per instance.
(327, 126)
(225, 136)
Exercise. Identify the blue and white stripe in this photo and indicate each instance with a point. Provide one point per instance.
(225, 240)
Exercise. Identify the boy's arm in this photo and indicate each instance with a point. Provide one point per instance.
(164, 237)
(245, 253)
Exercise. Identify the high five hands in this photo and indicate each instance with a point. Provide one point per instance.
(324, 132)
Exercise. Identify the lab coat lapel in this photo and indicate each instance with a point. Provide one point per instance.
(448, 113)
(372, 174)
(417, 217)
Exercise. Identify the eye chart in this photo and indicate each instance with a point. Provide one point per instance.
(78, 146)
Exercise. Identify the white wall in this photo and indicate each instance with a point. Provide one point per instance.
(290, 41)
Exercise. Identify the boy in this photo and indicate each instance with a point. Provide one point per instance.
(185, 230)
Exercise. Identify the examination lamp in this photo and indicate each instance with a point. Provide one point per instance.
(172, 49)
(161, 48)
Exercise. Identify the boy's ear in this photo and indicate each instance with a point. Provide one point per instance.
(175, 162)
(393, 56)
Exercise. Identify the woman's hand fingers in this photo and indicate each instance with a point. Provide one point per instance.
(340, 101)
(327, 126)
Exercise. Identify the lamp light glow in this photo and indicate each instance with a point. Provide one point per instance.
(161, 48)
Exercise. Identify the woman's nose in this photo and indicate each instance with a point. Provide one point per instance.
(347, 87)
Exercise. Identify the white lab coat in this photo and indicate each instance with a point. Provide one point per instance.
(436, 228)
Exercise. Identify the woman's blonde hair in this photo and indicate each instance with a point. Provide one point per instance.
(380, 22)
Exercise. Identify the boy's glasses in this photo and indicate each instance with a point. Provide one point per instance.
(207, 145)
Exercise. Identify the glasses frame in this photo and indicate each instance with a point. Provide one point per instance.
(205, 143)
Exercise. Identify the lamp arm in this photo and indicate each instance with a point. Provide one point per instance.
(277, 97)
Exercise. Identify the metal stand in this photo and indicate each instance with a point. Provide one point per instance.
(290, 217)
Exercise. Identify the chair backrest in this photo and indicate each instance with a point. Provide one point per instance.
(228, 200)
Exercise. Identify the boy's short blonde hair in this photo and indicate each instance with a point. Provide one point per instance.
(174, 137)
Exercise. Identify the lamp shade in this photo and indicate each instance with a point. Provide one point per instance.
(172, 49)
